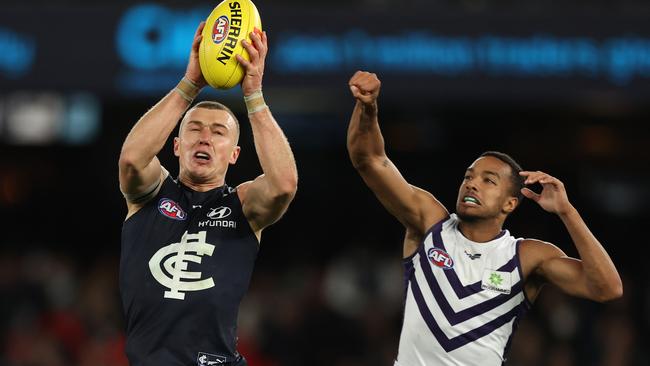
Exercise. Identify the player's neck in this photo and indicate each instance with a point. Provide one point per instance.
(201, 186)
(480, 231)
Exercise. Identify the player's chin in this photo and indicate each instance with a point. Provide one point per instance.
(467, 214)
(200, 172)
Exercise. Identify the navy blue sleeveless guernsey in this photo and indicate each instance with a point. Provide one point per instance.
(186, 262)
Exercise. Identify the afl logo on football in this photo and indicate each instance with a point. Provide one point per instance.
(171, 209)
(220, 30)
(440, 258)
(219, 212)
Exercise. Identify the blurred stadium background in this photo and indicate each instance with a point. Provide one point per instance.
(563, 86)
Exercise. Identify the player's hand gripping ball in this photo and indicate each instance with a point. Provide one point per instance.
(228, 24)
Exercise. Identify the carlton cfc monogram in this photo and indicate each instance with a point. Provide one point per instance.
(175, 275)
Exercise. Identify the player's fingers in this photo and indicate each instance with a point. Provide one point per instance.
(532, 178)
(365, 86)
(546, 179)
(361, 77)
(199, 29)
(359, 94)
(355, 91)
(530, 194)
(370, 82)
(246, 64)
(258, 41)
(196, 44)
(549, 180)
(252, 52)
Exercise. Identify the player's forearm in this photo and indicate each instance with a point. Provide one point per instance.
(365, 140)
(149, 134)
(274, 153)
(600, 273)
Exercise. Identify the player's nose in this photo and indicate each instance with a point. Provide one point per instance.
(470, 185)
(205, 137)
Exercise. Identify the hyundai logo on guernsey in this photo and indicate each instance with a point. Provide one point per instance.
(219, 212)
(171, 209)
(220, 30)
(440, 258)
(216, 218)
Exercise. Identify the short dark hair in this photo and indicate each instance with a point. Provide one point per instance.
(209, 104)
(516, 180)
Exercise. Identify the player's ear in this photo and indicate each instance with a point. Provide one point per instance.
(510, 204)
(234, 155)
(176, 146)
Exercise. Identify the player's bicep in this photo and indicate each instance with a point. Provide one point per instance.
(413, 207)
(564, 272)
(136, 182)
(260, 205)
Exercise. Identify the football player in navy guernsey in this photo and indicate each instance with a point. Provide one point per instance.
(189, 244)
(468, 281)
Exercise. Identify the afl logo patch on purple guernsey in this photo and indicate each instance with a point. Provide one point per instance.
(220, 30)
(440, 258)
(171, 209)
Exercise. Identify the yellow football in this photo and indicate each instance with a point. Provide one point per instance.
(229, 23)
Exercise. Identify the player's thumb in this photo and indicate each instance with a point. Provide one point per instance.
(530, 194)
(355, 91)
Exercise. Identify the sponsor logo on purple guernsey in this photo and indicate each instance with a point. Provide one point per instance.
(171, 209)
(440, 258)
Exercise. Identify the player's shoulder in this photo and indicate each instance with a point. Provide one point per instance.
(135, 203)
(432, 211)
(536, 247)
(241, 189)
(533, 252)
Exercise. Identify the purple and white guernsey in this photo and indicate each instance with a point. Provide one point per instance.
(463, 299)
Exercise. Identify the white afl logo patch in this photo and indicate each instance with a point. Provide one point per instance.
(219, 212)
(440, 258)
(171, 209)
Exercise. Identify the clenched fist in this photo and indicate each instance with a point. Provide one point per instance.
(365, 87)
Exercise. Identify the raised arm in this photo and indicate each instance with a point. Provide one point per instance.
(140, 172)
(594, 275)
(266, 198)
(415, 208)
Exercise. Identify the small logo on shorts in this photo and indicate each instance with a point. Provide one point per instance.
(220, 30)
(440, 258)
(207, 359)
(171, 209)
